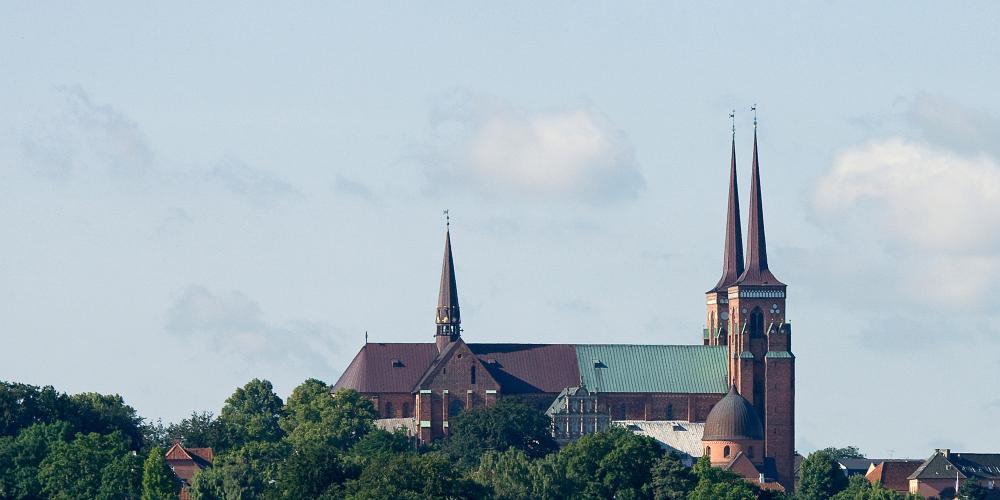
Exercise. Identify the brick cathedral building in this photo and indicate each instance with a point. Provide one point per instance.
(739, 382)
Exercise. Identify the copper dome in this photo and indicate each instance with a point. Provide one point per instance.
(733, 418)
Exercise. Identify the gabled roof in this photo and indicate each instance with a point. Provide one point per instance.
(937, 467)
(893, 474)
(186, 462)
(387, 367)
(653, 368)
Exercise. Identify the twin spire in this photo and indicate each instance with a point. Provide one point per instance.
(755, 270)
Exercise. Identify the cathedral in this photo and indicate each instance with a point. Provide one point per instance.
(737, 386)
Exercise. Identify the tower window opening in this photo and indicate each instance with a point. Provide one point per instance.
(388, 410)
(406, 410)
(725, 451)
(670, 411)
(756, 323)
(472, 375)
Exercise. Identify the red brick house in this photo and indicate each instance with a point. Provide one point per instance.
(746, 346)
(186, 462)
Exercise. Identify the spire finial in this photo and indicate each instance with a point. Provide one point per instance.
(732, 118)
(754, 109)
(366, 336)
(447, 219)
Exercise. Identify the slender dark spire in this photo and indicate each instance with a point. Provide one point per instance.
(732, 257)
(449, 317)
(756, 272)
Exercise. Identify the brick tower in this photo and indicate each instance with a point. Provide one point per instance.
(762, 366)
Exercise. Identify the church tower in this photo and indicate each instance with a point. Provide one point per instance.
(717, 299)
(449, 317)
(762, 366)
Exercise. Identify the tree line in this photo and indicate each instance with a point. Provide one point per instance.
(320, 444)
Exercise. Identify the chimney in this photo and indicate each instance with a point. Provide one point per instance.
(760, 478)
(944, 451)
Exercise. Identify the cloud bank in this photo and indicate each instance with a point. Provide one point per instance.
(492, 147)
(233, 324)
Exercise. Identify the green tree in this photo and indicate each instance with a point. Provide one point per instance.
(310, 471)
(972, 490)
(20, 458)
(845, 452)
(615, 463)
(858, 488)
(820, 477)
(105, 414)
(22, 405)
(508, 474)
(314, 415)
(671, 479)
(411, 477)
(718, 484)
(506, 424)
(158, 481)
(76, 469)
(381, 443)
(200, 430)
(121, 479)
(251, 471)
(251, 414)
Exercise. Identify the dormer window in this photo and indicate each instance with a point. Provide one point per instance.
(397, 363)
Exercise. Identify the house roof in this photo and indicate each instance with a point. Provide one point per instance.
(893, 474)
(937, 467)
(857, 465)
(186, 462)
(550, 368)
(674, 435)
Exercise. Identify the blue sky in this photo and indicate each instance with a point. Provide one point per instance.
(196, 195)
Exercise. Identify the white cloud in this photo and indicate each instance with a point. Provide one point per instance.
(932, 211)
(496, 148)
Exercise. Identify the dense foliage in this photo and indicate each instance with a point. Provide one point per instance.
(323, 444)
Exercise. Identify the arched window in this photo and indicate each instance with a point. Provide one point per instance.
(455, 407)
(756, 326)
(406, 410)
(622, 411)
(670, 411)
(725, 451)
(750, 452)
(708, 451)
(388, 410)
(472, 375)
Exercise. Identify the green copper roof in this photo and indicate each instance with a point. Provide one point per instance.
(653, 368)
(779, 354)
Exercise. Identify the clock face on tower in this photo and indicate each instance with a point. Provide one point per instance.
(724, 315)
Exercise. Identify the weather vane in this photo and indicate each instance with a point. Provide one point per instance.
(447, 219)
(754, 109)
(732, 117)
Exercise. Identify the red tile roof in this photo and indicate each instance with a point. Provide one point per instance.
(373, 370)
(893, 474)
(186, 462)
(518, 368)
